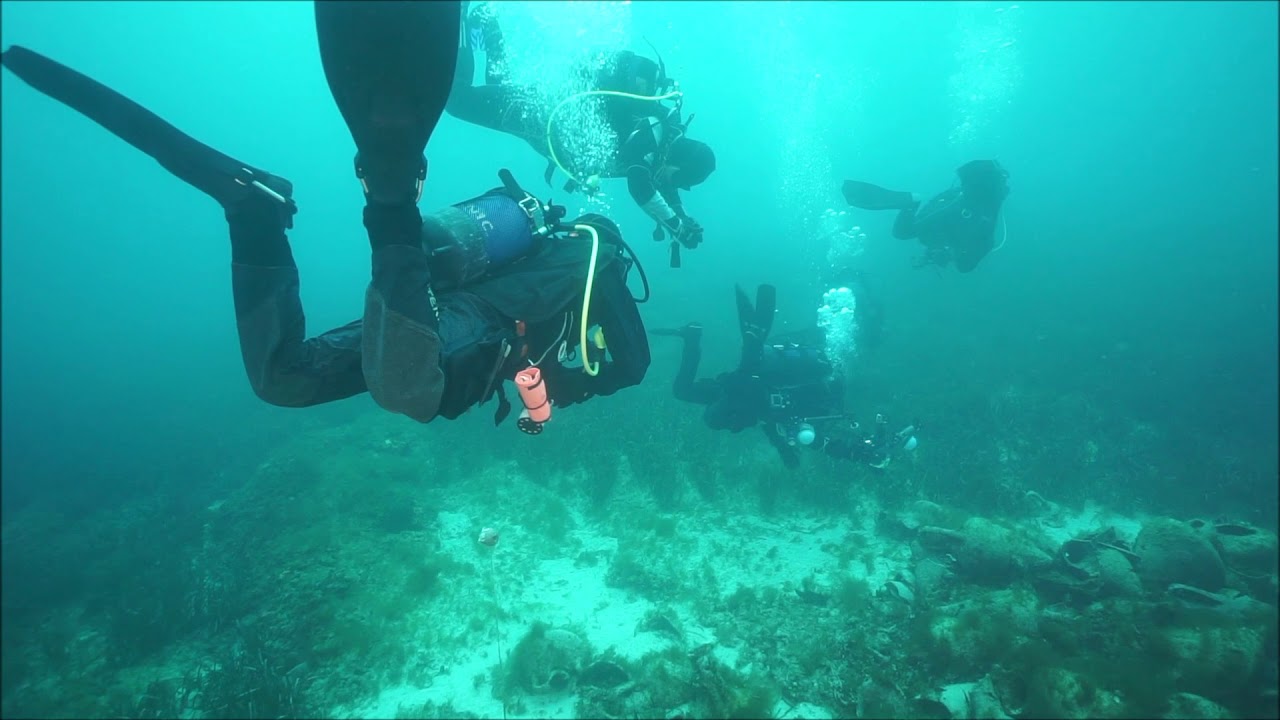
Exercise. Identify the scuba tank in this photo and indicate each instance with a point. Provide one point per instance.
(467, 240)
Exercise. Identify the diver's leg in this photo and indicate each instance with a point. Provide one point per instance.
(390, 66)
(686, 386)
(508, 109)
(496, 107)
(485, 35)
(283, 368)
(505, 108)
(401, 346)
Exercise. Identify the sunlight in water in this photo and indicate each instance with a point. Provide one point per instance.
(988, 67)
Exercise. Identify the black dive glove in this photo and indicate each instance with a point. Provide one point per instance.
(687, 232)
(682, 228)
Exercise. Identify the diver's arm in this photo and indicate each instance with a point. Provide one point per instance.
(645, 193)
(637, 155)
(672, 196)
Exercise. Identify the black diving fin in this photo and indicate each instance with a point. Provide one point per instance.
(755, 323)
(220, 176)
(766, 308)
(873, 197)
(390, 67)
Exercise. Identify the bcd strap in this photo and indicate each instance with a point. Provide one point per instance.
(545, 217)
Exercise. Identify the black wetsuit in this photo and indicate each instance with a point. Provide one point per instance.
(480, 343)
(787, 386)
(951, 225)
(642, 127)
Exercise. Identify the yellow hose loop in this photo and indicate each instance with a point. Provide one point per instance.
(613, 93)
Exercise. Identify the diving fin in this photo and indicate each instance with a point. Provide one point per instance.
(873, 197)
(223, 178)
(746, 312)
(390, 67)
(754, 322)
(766, 308)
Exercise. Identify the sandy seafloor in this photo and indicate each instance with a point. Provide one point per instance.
(557, 592)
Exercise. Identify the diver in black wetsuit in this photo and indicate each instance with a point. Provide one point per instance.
(653, 152)
(957, 226)
(445, 320)
(789, 388)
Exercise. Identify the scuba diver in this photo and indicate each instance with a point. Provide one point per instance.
(494, 288)
(957, 226)
(786, 386)
(653, 151)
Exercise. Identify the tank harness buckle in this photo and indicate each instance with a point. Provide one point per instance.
(533, 208)
(544, 217)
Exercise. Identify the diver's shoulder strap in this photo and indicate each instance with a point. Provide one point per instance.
(544, 217)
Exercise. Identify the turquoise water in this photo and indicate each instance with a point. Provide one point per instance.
(173, 545)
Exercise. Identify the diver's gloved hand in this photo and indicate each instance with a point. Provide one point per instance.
(687, 232)
(391, 179)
